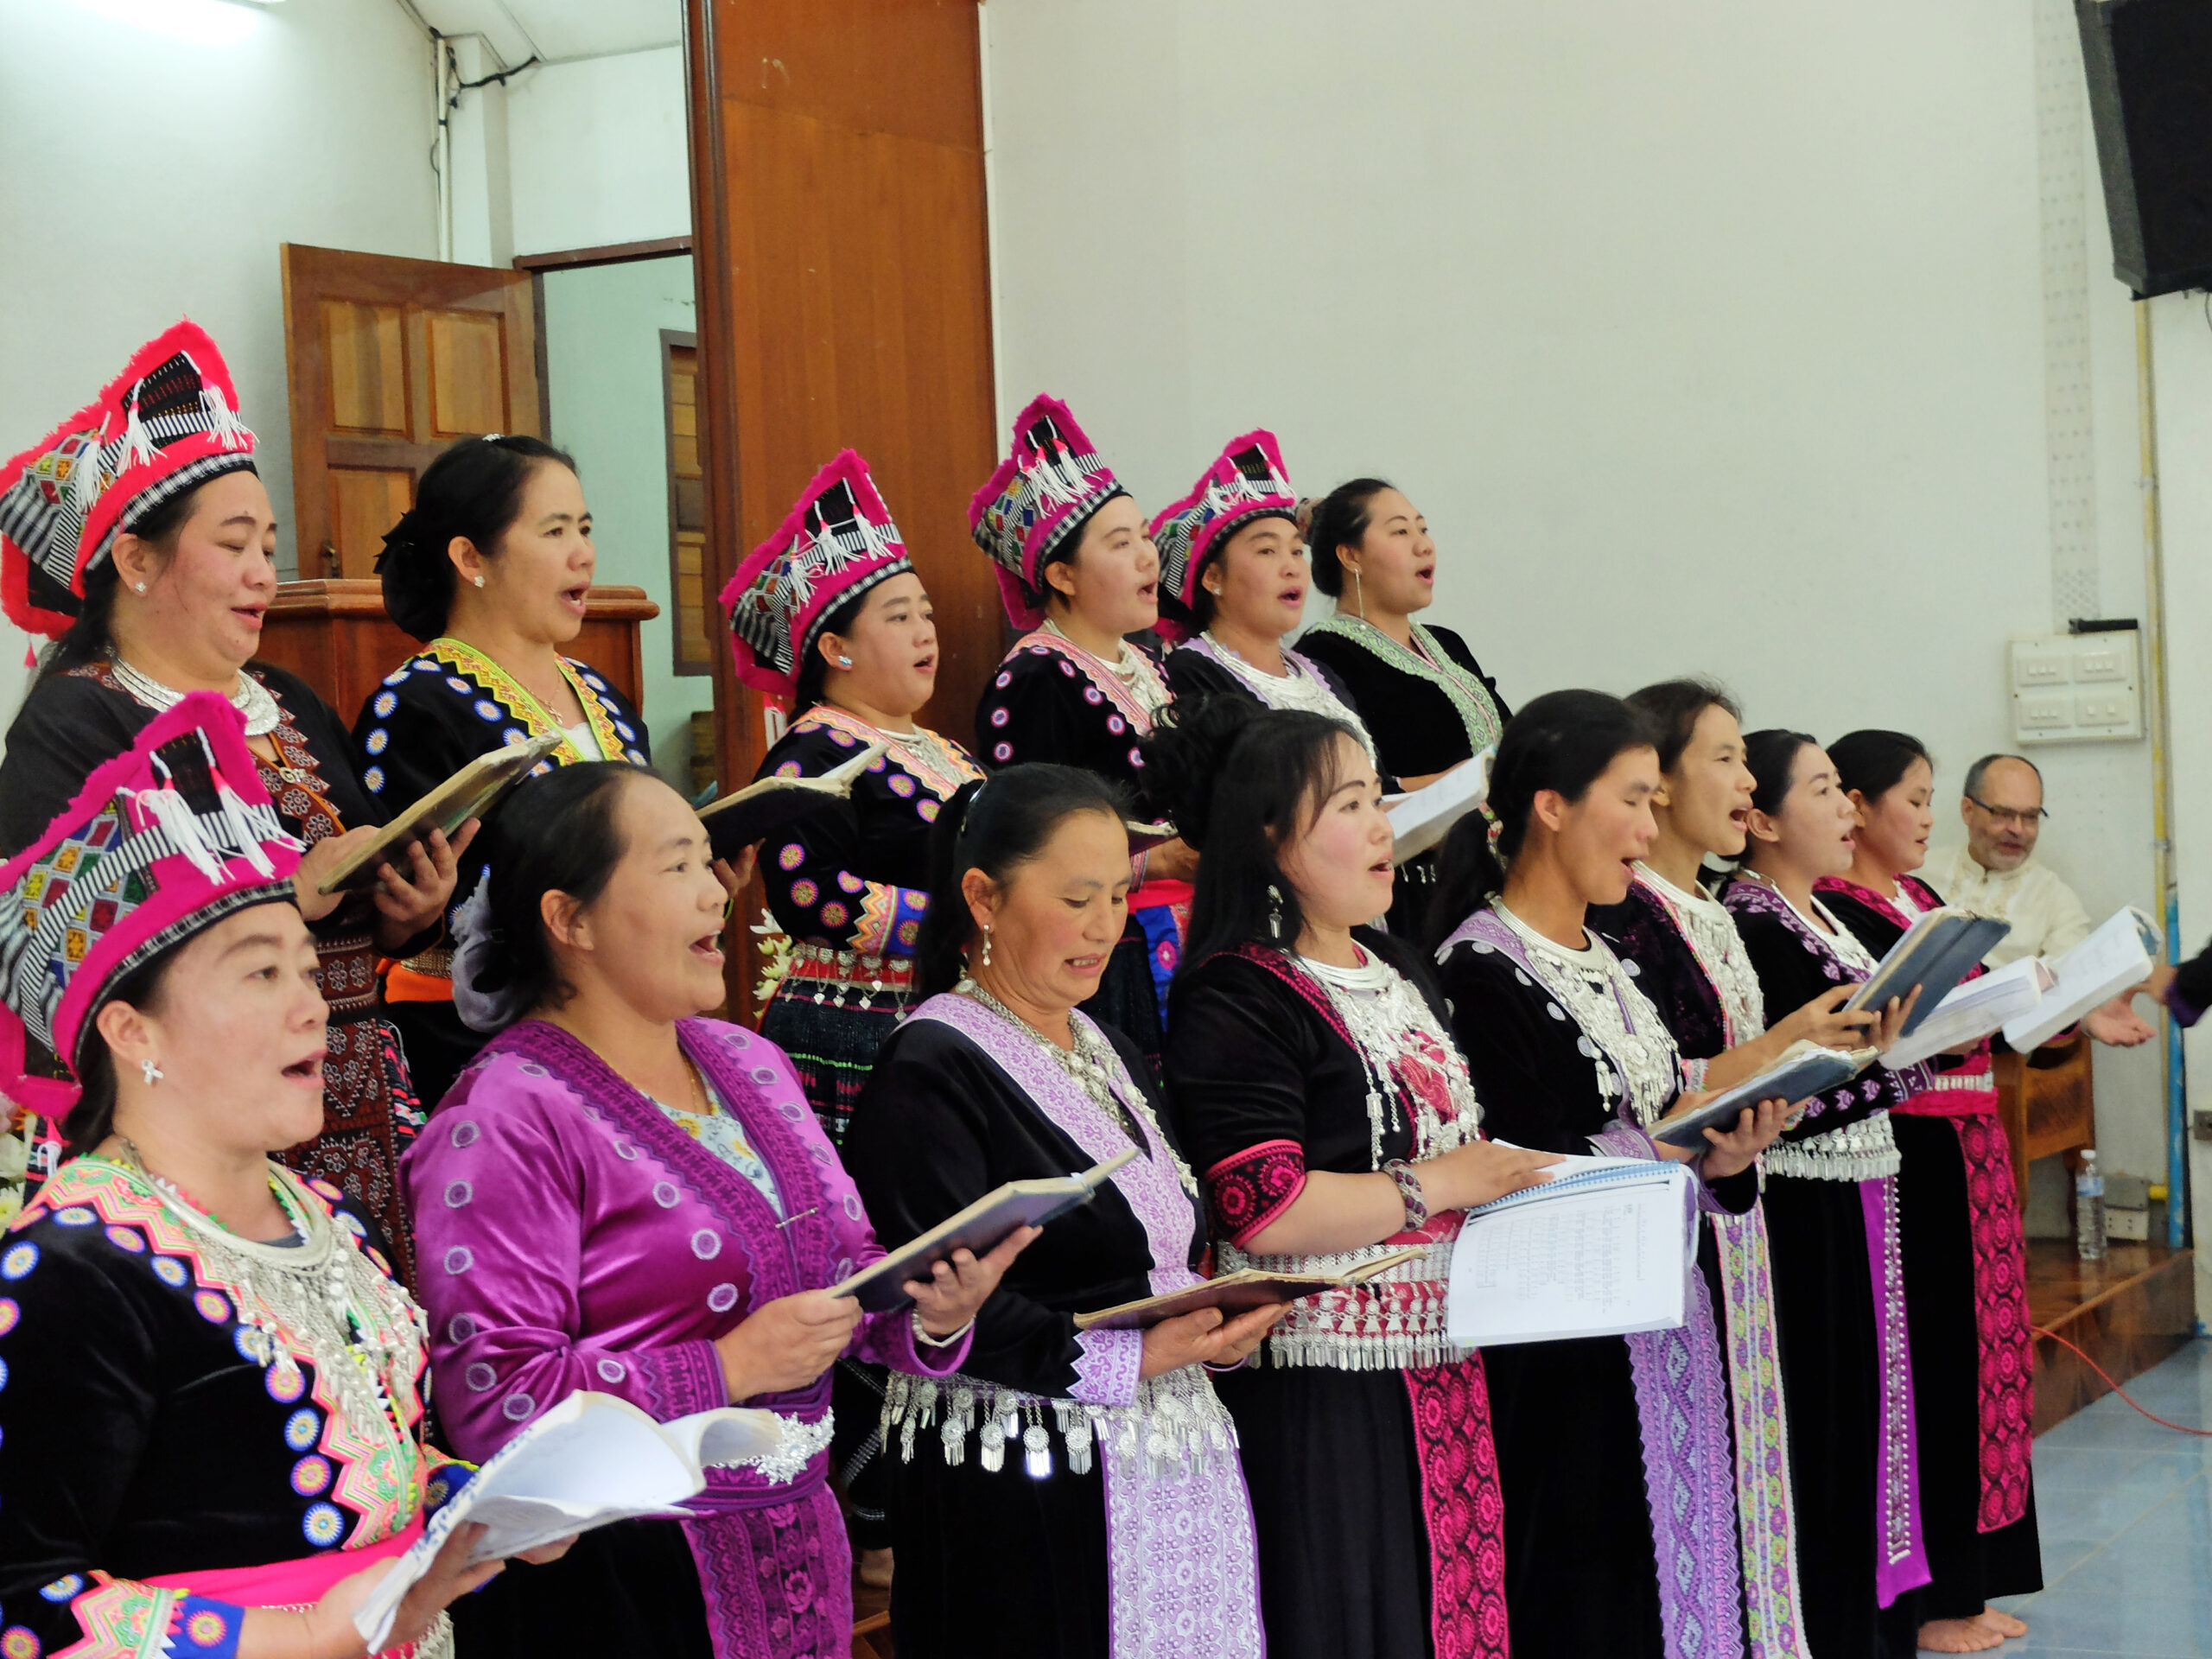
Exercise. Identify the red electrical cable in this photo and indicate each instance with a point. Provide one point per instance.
(2182, 1428)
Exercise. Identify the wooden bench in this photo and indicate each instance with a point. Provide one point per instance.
(2046, 1102)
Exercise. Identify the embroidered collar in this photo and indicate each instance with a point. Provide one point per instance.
(1427, 661)
(1135, 685)
(511, 693)
(1914, 888)
(938, 763)
(1301, 687)
(1710, 932)
(1837, 941)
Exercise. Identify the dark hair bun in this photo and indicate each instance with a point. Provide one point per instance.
(474, 490)
(1187, 754)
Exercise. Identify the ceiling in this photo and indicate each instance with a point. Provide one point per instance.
(557, 30)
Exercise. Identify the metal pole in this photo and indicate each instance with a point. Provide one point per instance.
(2161, 842)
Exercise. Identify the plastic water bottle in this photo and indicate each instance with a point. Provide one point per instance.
(2089, 1210)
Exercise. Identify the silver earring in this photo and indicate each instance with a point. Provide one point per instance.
(479, 581)
(153, 1072)
(1359, 595)
(1275, 913)
(986, 944)
(137, 587)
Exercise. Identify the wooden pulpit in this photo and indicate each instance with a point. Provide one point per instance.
(2047, 1101)
(335, 636)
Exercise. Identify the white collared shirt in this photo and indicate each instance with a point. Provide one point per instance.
(2047, 919)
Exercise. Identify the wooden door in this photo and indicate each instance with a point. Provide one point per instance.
(390, 360)
(843, 261)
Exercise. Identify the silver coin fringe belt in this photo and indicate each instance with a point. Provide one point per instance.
(1176, 1421)
(1395, 1320)
(1865, 1151)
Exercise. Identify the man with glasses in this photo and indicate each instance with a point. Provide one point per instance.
(1995, 874)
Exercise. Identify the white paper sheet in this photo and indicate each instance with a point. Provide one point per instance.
(1974, 1010)
(1593, 1263)
(2118, 954)
(1421, 819)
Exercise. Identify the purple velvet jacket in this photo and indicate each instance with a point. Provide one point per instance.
(572, 1237)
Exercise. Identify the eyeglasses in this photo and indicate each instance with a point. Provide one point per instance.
(2019, 817)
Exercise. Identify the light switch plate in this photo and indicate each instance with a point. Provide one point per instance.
(2076, 688)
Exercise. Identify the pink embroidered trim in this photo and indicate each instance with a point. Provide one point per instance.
(2004, 1361)
(1464, 1508)
(1248, 1190)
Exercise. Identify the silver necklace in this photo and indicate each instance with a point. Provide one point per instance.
(251, 698)
(1614, 1014)
(1718, 948)
(365, 1336)
(1382, 1011)
(1132, 668)
(1093, 1066)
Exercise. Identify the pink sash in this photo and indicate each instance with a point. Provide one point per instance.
(300, 1583)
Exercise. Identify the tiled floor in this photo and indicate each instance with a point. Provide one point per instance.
(2125, 1512)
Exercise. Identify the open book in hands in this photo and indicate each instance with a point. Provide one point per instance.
(1974, 1010)
(766, 805)
(2121, 953)
(470, 793)
(1236, 1292)
(1805, 1069)
(981, 1227)
(592, 1460)
(1936, 952)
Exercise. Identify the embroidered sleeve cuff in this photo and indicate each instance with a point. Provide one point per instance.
(204, 1629)
(1250, 1189)
(890, 1340)
(890, 921)
(675, 1381)
(444, 1485)
(1693, 1074)
(1106, 1369)
(1620, 1140)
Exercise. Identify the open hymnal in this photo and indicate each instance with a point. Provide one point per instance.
(1235, 1292)
(2118, 954)
(766, 804)
(1936, 952)
(589, 1461)
(1422, 817)
(1974, 1010)
(881, 1285)
(1805, 1069)
(470, 793)
(1599, 1251)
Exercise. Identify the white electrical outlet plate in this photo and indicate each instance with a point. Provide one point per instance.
(2072, 687)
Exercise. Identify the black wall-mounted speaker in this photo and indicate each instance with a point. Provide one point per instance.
(2150, 68)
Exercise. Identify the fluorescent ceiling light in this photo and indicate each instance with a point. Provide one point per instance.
(200, 22)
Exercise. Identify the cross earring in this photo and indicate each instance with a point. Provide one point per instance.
(153, 1072)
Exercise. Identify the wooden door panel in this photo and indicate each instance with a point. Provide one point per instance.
(364, 503)
(366, 349)
(841, 260)
(468, 374)
(389, 361)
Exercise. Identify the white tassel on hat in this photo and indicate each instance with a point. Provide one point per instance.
(222, 420)
(137, 442)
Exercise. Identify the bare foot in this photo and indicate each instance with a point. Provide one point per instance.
(875, 1568)
(2003, 1623)
(1958, 1635)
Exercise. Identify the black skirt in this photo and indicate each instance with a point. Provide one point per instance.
(993, 1564)
(1966, 1566)
(630, 1588)
(1581, 1576)
(1335, 1478)
(1831, 1376)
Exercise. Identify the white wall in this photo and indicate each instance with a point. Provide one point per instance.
(149, 177)
(603, 368)
(597, 152)
(1709, 338)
